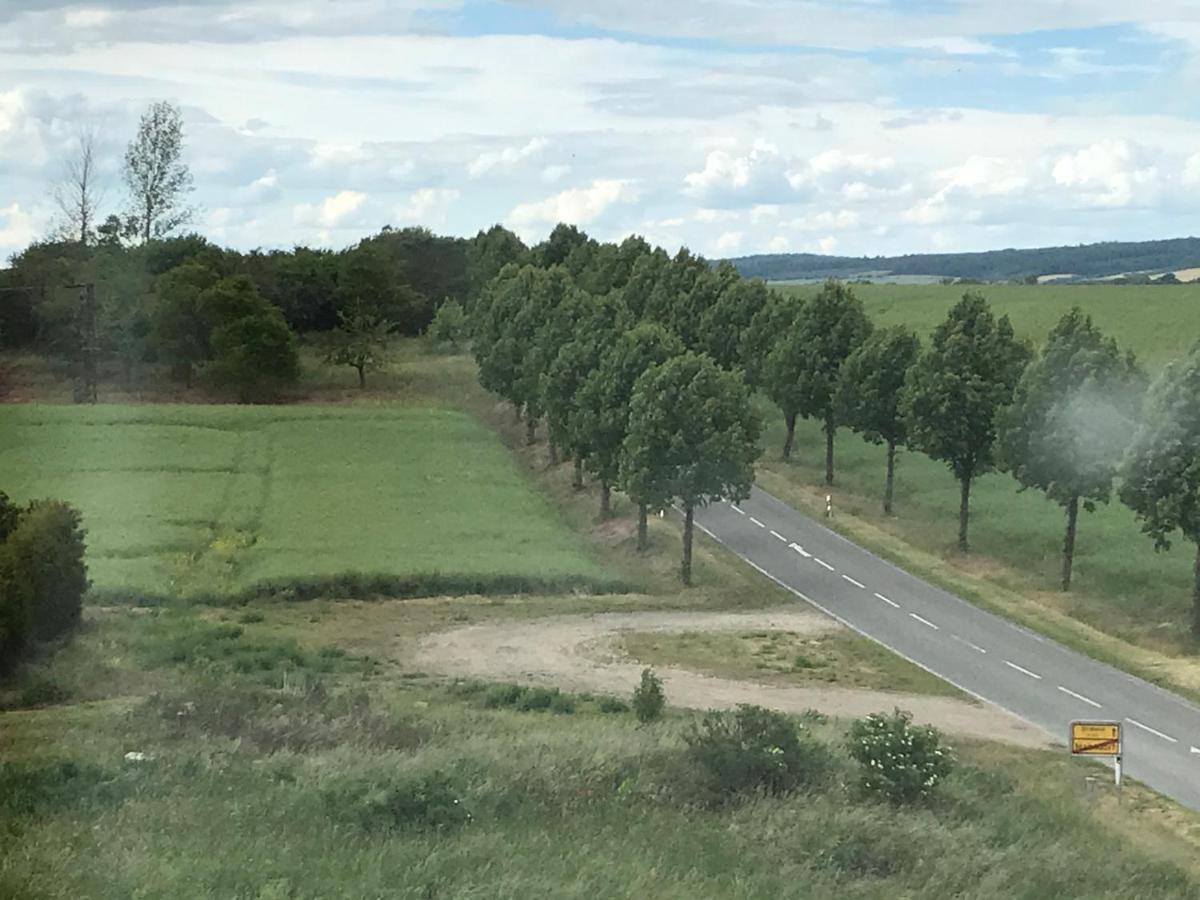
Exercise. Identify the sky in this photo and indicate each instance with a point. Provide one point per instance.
(855, 127)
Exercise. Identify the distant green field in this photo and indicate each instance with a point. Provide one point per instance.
(1159, 323)
(203, 500)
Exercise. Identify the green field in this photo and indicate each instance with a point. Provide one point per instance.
(1159, 323)
(185, 501)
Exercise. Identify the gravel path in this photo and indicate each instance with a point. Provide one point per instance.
(579, 653)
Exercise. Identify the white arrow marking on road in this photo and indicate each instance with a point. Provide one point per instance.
(1013, 665)
(1155, 732)
(825, 564)
(756, 522)
(1079, 697)
(890, 603)
(924, 621)
(800, 550)
(857, 584)
(775, 533)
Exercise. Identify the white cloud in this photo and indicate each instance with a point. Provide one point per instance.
(577, 206)
(554, 173)
(330, 212)
(731, 180)
(18, 228)
(428, 206)
(728, 242)
(87, 18)
(1108, 173)
(779, 244)
(954, 46)
(503, 160)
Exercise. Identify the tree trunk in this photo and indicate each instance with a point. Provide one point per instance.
(605, 500)
(1068, 559)
(643, 537)
(530, 429)
(790, 440)
(362, 377)
(1196, 596)
(964, 513)
(577, 479)
(553, 453)
(516, 412)
(685, 571)
(891, 478)
(830, 430)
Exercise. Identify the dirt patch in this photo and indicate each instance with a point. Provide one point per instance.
(579, 653)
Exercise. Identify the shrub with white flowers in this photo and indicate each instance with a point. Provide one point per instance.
(900, 761)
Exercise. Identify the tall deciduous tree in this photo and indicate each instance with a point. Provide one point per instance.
(801, 371)
(178, 326)
(726, 319)
(155, 173)
(605, 396)
(597, 322)
(759, 337)
(78, 193)
(253, 350)
(872, 379)
(1161, 472)
(956, 390)
(1073, 413)
(693, 436)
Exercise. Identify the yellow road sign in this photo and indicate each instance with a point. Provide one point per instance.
(1096, 738)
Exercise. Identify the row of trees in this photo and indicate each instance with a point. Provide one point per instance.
(642, 367)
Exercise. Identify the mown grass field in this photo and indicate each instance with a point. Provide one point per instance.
(185, 501)
(1159, 323)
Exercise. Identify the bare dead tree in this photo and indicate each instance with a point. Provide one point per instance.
(79, 192)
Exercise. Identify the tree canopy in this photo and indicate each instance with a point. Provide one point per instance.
(868, 396)
(1161, 473)
(693, 437)
(1072, 415)
(956, 390)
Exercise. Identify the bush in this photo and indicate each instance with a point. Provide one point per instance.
(648, 697)
(612, 705)
(503, 694)
(899, 761)
(15, 602)
(449, 326)
(45, 563)
(753, 750)
(428, 800)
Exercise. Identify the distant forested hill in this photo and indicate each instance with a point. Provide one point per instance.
(1087, 261)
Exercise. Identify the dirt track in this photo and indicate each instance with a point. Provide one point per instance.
(578, 653)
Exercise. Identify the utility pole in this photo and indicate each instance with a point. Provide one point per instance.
(89, 349)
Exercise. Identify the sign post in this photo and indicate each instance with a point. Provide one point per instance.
(1098, 739)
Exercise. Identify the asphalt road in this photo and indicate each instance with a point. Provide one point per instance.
(981, 653)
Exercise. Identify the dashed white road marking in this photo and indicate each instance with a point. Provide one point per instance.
(756, 522)
(800, 550)
(923, 621)
(1195, 749)
(822, 562)
(1153, 731)
(1013, 665)
(775, 533)
(963, 640)
(737, 509)
(891, 603)
(1071, 693)
(857, 584)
